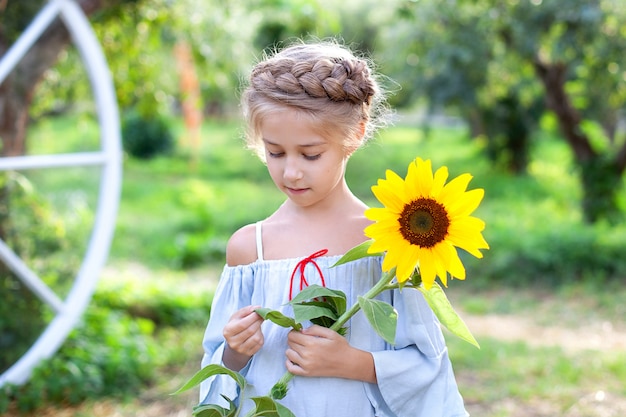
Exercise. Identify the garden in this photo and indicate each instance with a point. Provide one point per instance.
(526, 96)
(546, 308)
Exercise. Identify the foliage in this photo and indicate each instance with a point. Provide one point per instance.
(161, 302)
(497, 63)
(123, 342)
(111, 354)
(139, 37)
(46, 247)
(16, 18)
(146, 136)
(287, 19)
(557, 255)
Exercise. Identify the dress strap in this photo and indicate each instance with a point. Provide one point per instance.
(259, 241)
(301, 266)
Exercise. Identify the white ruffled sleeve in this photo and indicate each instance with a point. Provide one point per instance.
(234, 291)
(415, 377)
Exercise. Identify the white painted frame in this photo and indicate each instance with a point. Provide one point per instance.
(68, 311)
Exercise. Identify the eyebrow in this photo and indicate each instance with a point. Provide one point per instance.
(306, 145)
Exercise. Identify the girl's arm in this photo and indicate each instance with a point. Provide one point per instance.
(318, 351)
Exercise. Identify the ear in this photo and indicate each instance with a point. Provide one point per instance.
(358, 139)
(362, 127)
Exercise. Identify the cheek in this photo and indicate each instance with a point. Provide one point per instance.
(274, 169)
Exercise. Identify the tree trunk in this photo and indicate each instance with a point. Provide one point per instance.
(600, 175)
(553, 77)
(17, 90)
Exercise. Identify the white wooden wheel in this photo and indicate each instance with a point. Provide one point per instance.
(67, 311)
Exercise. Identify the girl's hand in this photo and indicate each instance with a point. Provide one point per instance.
(243, 337)
(318, 351)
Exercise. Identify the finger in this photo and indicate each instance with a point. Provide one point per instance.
(294, 368)
(296, 339)
(243, 329)
(252, 344)
(252, 319)
(319, 331)
(245, 311)
(245, 342)
(293, 356)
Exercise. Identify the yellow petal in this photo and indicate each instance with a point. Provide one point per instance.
(427, 268)
(454, 190)
(439, 181)
(380, 214)
(406, 263)
(453, 262)
(389, 198)
(466, 203)
(420, 178)
(470, 245)
(384, 244)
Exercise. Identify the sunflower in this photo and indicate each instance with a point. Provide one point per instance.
(423, 221)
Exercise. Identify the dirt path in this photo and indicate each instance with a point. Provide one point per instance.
(603, 336)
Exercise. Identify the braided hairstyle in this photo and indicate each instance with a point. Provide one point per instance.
(326, 83)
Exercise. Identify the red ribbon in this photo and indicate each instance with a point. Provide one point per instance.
(301, 266)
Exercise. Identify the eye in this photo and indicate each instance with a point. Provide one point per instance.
(312, 157)
(275, 154)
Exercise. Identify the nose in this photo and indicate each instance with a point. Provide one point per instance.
(292, 170)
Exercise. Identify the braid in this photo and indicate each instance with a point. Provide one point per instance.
(336, 79)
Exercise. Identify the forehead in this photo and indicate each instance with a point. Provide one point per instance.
(293, 126)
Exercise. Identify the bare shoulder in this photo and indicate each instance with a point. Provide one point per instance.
(241, 247)
(358, 229)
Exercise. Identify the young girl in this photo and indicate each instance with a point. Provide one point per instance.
(308, 108)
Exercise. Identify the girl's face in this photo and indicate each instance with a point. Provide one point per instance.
(304, 165)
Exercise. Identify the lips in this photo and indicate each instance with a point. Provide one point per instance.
(296, 190)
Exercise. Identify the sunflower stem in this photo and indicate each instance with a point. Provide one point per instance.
(382, 285)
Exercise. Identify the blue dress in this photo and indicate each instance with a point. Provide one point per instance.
(415, 376)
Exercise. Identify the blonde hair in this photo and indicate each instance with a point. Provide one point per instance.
(324, 81)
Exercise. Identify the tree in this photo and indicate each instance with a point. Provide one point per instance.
(17, 90)
(476, 56)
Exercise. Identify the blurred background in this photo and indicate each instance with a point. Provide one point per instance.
(529, 96)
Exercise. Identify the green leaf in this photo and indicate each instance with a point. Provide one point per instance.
(283, 411)
(382, 317)
(213, 410)
(278, 318)
(446, 314)
(328, 323)
(309, 311)
(267, 407)
(209, 371)
(338, 298)
(357, 252)
(317, 301)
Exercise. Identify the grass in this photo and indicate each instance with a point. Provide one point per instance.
(526, 374)
(176, 213)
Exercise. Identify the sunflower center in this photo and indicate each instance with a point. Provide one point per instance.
(424, 222)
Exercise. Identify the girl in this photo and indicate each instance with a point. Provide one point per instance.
(308, 108)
